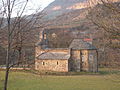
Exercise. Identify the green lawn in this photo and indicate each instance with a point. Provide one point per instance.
(28, 81)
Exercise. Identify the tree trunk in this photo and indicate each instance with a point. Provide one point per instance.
(9, 47)
(6, 79)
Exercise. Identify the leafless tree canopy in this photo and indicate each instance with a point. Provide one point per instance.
(106, 15)
(16, 28)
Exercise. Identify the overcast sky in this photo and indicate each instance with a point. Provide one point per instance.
(35, 4)
(32, 6)
(42, 3)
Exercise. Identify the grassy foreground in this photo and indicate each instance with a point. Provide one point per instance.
(28, 81)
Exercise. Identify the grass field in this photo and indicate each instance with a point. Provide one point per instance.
(28, 81)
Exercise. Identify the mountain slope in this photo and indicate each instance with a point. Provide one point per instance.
(59, 7)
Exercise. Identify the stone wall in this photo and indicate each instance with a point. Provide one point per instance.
(75, 61)
(80, 60)
(84, 59)
(52, 65)
(93, 62)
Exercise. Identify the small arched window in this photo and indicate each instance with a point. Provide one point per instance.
(43, 63)
(57, 62)
(45, 36)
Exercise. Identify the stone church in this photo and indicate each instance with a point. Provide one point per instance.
(79, 56)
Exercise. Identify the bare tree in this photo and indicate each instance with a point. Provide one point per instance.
(17, 28)
(105, 14)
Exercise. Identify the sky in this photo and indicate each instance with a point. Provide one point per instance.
(38, 3)
(32, 5)
(35, 4)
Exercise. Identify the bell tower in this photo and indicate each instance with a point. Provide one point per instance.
(43, 41)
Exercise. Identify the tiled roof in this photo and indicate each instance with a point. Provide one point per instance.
(43, 42)
(56, 48)
(53, 56)
(80, 44)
